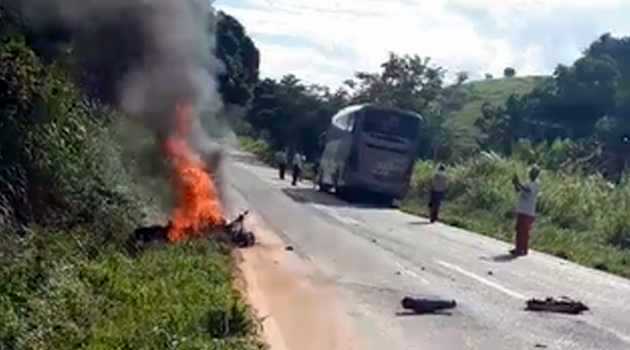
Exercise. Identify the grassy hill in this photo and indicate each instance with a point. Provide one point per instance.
(495, 91)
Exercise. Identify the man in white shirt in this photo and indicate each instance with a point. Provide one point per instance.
(526, 210)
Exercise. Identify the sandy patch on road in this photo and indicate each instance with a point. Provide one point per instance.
(300, 310)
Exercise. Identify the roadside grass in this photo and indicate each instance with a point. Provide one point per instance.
(67, 291)
(259, 148)
(583, 219)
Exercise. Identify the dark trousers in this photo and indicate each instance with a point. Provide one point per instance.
(524, 224)
(297, 172)
(282, 168)
(434, 205)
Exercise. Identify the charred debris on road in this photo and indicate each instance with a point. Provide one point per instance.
(563, 305)
(427, 306)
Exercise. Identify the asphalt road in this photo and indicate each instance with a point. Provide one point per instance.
(376, 256)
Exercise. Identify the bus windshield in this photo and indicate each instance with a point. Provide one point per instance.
(391, 123)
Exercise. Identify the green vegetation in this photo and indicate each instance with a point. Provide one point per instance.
(495, 92)
(581, 218)
(259, 148)
(70, 196)
(64, 290)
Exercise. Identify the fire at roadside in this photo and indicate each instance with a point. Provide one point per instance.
(198, 211)
(234, 233)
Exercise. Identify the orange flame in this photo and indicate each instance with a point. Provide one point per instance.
(197, 205)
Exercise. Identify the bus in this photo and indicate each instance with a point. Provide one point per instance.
(371, 149)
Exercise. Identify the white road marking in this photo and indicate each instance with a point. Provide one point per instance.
(333, 212)
(411, 273)
(482, 280)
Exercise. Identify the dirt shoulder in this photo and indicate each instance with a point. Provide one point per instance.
(299, 308)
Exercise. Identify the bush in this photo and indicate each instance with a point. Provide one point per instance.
(259, 148)
(59, 165)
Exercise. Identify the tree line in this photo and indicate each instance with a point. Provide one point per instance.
(586, 103)
(582, 111)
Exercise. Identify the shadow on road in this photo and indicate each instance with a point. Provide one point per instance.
(419, 223)
(503, 258)
(414, 314)
(310, 195)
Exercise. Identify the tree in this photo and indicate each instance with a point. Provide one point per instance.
(501, 126)
(293, 114)
(407, 82)
(489, 76)
(584, 93)
(461, 78)
(509, 72)
(241, 58)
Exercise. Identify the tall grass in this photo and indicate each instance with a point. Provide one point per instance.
(581, 218)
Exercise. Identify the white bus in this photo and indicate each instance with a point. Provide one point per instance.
(371, 149)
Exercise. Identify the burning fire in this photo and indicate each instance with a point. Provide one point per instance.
(197, 205)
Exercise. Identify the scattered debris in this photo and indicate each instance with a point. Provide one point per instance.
(423, 269)
(398, 273)
(427, 306)
(490, 273)
(289, 248)
(563, 305)
(540, 346)
(374, 241)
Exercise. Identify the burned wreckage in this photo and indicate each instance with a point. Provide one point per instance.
(233, 232)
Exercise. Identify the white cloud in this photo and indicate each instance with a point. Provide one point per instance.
(325, 41)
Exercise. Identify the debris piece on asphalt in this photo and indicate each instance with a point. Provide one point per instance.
(289, 248)
(490, 273)
(563, 305)
(427, 306)
(398, 273)
(423, 268)
(540, 346)
(373, 241)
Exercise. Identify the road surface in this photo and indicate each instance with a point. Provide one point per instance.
(375, 256)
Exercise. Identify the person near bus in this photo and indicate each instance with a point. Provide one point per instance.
(281, 159)
(297, 167)
(525, 210)
(439, 185)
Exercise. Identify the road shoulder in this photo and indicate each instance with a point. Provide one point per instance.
(299, 308)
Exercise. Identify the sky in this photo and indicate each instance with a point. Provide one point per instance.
(327, 41)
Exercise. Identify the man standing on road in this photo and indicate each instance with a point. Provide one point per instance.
(438, 191)
(526, 210)
(297, 167)
(281, 159)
